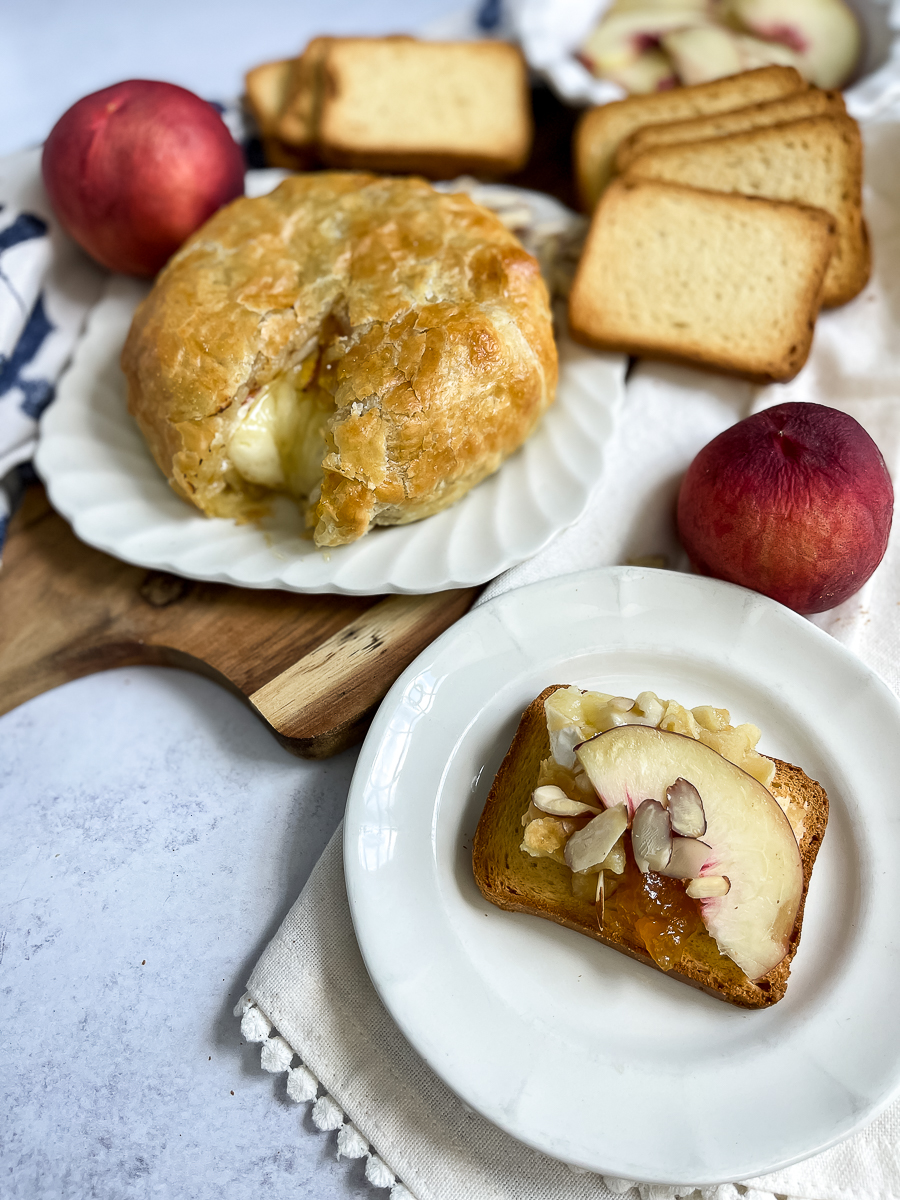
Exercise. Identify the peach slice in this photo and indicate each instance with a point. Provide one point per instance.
(702, 53)
(754, 53)
(649, 71)
(750, 842)
(824, 34)
(626, 34)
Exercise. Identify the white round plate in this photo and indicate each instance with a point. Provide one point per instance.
(101, 477)
(566, 1044)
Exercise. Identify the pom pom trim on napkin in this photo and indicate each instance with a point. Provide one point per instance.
(276, 1056)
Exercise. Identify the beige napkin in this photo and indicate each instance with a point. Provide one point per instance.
(310, 994)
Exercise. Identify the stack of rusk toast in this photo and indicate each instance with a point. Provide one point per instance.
(724, 216)
(395, 104)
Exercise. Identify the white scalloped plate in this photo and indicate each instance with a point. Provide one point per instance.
(567, 1045)
(101, 477)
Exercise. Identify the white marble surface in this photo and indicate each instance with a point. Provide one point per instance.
(153, 832)
(154, 835)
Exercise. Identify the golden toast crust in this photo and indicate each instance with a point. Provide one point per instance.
(809, 103)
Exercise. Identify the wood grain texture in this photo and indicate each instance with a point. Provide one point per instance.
(313, 667)
(346, 673)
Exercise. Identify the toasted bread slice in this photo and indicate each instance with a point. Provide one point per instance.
(297, 124)
(436, 108)
(816, 161)
(514, 880)
(266, 88)
(814, 102)
(600, 130)
(721, 281)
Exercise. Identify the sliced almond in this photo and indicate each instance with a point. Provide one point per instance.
(553, 800)
(615, 861)
(686, 809)
(708, 885)
(688, 858)
(651, 836)
(589, 846)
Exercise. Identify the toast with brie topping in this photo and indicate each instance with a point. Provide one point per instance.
(541, 883)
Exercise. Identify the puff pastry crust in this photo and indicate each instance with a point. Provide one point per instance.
(429, 325)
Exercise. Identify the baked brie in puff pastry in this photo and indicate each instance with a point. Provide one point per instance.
(369, 346)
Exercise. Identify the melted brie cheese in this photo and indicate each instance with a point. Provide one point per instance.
(278, 441)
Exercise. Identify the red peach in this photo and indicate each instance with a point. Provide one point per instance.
(794, 502)
(133, 169)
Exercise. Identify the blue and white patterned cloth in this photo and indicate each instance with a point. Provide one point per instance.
(47, 288)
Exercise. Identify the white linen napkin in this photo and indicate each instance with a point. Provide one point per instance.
(309, 997)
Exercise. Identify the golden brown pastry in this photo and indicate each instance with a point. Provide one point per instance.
(370, 346)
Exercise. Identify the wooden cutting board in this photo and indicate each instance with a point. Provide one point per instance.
(314, 668)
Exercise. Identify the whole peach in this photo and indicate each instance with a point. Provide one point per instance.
(794, 502)
(133, 169)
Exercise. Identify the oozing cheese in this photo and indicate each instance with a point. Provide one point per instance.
(278, 440)
(573, 716)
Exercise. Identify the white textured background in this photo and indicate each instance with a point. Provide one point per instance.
(154, 836)
(52, 52)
